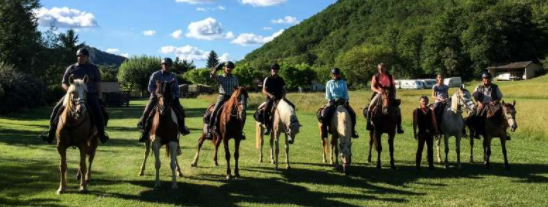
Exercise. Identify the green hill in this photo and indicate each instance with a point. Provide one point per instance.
(103, 58)
(416, 37)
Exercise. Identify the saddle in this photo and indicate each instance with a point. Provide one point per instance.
(491, 111)
(260, 114)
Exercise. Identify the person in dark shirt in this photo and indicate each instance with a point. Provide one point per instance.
(274, 89)
(425, 120)
(78, 70)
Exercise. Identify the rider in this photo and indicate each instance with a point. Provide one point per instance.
(337, 92)
(78, 70)
(383, 81)
(440, 93)
(274, 89)
(486, 95)
(162, 75)
(227, 83)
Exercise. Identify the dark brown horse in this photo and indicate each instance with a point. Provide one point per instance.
(384, 118)
(230, 125)
(75, 129)
(164, 131)
(496, 125)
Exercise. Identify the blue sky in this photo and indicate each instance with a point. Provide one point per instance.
(188, 29)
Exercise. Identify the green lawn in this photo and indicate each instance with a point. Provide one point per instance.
(29, 169)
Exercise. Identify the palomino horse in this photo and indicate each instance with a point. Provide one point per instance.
(285, 120)
(164, 131)
(452, 122)
(230, 125)
(75, 129)
(383, 119)
(496, 126)
(341, 140)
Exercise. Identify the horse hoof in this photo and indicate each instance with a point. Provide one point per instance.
(237, 175)
(507, 168)
(393, 167)
(157, 186)
(174, 187)
(180, 175)
(368, 160)
(83, 190)
(288, 167)
(216, 164)
(459, 167)
(60, 191)
(78, 176)
(141, 174)
(193, 165)
(229, 177)
(446, 166)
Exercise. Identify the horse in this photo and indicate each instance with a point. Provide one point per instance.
(341, 140)
(452, 122)
(383, 119)
(75, 129)
(164, 131)
(285, 120)
(230, 125)
(496, 126)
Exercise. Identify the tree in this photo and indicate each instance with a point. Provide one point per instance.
(296, 76)
(199, 76)
(181, 66)
(212, 59)
(19, 36)
(246, 74)
(360, 63)
(108, 73)
(135, 72)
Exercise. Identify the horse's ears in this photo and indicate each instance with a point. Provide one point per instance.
(514, 103)
(462, 86)
(86, 78)
(71, 79)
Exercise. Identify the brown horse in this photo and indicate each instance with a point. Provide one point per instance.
(383, 119)
(230, 125)
(75, 129)
(164, 131)
(496, 126)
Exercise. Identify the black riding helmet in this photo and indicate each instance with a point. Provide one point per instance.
(82, 51)
(167, 61)
(335, 71)
(275, 66)
(486, 75)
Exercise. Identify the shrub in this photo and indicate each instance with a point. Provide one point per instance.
(19, 90)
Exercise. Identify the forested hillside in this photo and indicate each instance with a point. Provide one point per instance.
(415, 37)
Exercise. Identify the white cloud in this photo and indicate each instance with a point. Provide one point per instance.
(196, 1)
(149, 32)
(177, 34)
(285, 20)
(201, 9)
(224, 57)
(113, 50)
(187, 52)
(126, 55)
(64, 17)
(267, 28)
(262, 3)
(207, 29)
(221, 8)
(253, 39)
(206, 9)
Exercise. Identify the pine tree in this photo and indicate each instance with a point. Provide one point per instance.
(212, 60)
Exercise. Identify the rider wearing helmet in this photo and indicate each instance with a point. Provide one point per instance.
(336, 92)
(274, 89)
(486, 95)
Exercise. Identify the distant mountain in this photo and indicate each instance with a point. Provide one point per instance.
(99, 57)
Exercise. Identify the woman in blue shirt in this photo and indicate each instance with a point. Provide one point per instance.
(336, 93)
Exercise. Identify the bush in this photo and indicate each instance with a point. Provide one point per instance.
(135, 73)
(19, 90)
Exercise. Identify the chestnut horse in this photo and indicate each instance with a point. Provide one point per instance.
(230, 124)
(383, 119)
(164, 131)
(75, 129)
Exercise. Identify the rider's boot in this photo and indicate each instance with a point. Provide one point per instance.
(48, 136)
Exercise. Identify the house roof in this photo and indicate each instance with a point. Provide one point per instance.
(514, 65)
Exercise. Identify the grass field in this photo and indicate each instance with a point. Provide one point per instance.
(29, 169)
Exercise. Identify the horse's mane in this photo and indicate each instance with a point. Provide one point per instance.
(287, 113)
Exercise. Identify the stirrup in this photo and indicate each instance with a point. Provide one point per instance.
(144, 137)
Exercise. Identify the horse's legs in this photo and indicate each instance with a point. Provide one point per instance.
(237, 157)
(378, 147)
(173, 155)
(83, 168)
(62, 169)
(335, 151)
(446, 143)
(276, 138)
(287, 166)
(179, 173)
(471, 148)
(259, 139)
(371, 142)
(487, 150)
(457, 148)
(147, 152)
(438, 141)
(325, 150)
(503, 145)
(391, 149)
(91, 153)
(227, 157)
(197, 156)
(217, 143)
(156, 148)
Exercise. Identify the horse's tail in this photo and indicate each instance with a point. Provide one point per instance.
(258, 135)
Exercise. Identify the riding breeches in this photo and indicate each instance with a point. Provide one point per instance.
(221, 99)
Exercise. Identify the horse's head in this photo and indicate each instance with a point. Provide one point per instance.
(385, 101)
(163, 93)
(75, 100)
(465, 99)
(240, 95)
(346, 153)
(294, 127)
(509, 112)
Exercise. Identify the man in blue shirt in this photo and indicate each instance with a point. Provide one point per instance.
(78, 70)
(336, 93)
(163, 75)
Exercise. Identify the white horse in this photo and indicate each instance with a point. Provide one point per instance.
(453, 123)
(285, 121)
(341, 140)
